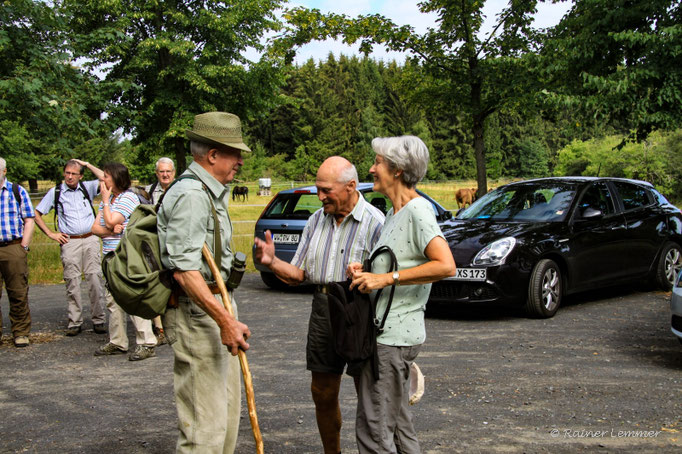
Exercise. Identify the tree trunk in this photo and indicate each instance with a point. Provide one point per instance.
(32, 185)
(478, 120)
(479, 151)
(180, 155)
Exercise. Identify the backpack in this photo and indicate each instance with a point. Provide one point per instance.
(353, 320)
(134, 273)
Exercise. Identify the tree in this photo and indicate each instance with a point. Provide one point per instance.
(478, 74)
(167, 60)
(48, 106)
(619, 60)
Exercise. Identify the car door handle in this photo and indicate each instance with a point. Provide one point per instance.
(284, 226)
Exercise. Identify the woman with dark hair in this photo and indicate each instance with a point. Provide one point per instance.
(118, 203)
(383, 421)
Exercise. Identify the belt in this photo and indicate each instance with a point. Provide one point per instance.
(9, 243)
(178, 292)
(322, 288)
(78, 237)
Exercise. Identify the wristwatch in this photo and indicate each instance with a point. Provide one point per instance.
(396, 278)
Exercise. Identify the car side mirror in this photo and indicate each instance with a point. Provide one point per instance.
(591, 213)
(447, 215)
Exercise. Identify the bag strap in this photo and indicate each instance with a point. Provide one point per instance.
(217, 241)
(152, 188)
(393, 267)
(18, 200)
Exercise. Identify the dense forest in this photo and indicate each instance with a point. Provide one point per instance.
(598, 94)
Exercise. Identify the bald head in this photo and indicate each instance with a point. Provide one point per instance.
(338, 169)
(337, 182)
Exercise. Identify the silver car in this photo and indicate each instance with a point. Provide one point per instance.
(676, 309)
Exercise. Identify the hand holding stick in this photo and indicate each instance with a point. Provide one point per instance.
(248, 381)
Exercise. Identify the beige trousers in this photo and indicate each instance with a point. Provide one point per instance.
(82, 256)
(118, 327)
(206, 380)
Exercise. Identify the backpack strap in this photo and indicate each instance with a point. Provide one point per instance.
(56, 203)
(152, 188)
(393, 267)
(84, 190)
(217, 241)
(17, 197)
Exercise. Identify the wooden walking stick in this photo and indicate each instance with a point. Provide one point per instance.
(248, 382)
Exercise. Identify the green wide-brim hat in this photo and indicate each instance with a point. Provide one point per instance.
(218, 128)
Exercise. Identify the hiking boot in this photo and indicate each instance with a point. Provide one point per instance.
(21, 341)
(109, 349)
(161, 338)
(73, 330)
(99, 328)
(142, 352)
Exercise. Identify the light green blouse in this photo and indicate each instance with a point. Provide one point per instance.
(407, 233)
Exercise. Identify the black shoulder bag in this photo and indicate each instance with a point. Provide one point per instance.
(352, 314)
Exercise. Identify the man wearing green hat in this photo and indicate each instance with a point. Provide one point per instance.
(206, 374)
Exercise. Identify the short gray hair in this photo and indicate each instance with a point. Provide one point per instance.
(199, 149)
(348, 174)
(3, 164)
(406, 153)
(164, 160)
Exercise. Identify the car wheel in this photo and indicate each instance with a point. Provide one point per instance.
(272, 281)
(669, 266)
(544, 290)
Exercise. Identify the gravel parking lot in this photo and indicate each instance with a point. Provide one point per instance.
(603, 375)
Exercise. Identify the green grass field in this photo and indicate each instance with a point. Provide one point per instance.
(46, 268)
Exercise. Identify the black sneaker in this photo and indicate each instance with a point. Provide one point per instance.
(73, 330)
(99, 328)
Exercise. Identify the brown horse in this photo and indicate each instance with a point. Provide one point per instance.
(240, 192)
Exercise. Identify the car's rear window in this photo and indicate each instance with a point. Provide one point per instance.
(544, 202)
(633, 195)
(293, 206)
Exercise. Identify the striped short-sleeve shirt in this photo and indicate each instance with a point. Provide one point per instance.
(326, 248)
(124, 203)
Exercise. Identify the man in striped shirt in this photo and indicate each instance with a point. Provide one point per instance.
(344, 230)
(16, 229)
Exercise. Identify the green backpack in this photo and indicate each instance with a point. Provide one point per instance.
(134, 273)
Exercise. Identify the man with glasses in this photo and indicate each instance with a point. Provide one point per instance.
(79, 248)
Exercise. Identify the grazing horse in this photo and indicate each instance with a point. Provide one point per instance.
(240, 192)
(465, 197)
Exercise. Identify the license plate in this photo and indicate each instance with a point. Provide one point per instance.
(285, 238)
(469, 274)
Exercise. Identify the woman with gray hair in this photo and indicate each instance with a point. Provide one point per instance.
(383, 420)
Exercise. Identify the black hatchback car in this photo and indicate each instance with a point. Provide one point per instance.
(533, 242)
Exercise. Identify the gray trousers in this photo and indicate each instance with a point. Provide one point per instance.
(206, 380)
(383, 422)
(82, 256)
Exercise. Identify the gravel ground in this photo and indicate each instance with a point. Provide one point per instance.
(603, 375)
